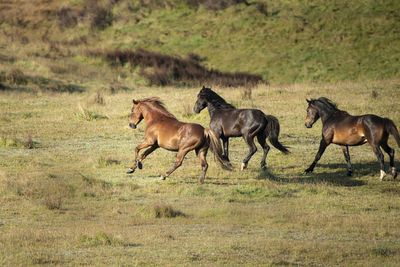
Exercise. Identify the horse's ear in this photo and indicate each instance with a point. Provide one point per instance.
(308, 101)
(135, 102)
(203, 87)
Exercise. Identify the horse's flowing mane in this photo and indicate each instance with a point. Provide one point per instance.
(156, 104)
(213, 98)
(326, 105)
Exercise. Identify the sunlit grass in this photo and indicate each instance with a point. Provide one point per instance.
(73, 190)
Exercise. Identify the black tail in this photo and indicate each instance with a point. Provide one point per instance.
(392, 129)
(216, 148)
(272, 131)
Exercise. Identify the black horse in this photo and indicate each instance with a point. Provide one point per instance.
(341, 128)
(228, 121)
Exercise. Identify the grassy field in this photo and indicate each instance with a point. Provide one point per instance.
(65, 143)
(65, 198)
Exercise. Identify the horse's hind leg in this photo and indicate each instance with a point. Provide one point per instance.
(202, 154)
(179, 158)
(252, 149)
(379, 155)
(390, 152)
(346, 153)
(261, 139)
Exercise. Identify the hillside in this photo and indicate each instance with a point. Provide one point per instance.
(282, 41)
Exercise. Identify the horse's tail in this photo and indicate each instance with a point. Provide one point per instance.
(216, 148)
(392, 129)
(272, 130)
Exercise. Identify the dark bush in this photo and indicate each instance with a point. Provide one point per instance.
(100, 18)
(17, 77)
(214, 4)
(67, 18)
(262, 8)
(168, 70)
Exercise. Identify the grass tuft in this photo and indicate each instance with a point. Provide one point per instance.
(88, 115)
(382, 251)
(103, 162)
(99, 239)
(10, 142)
(166, 211)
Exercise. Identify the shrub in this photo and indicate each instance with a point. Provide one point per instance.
(17, 77)
(67, 18)
(167, 70)
(215, 4)
(53, 201)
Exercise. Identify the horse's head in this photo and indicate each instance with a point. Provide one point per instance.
(201, 101)
(136, 114)
(312, 113)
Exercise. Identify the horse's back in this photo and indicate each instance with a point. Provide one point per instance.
(232, 123)
(357, 130)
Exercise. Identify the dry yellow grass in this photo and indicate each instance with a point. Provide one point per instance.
(68, 200)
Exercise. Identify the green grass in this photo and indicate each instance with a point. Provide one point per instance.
(68, 201)
(292, 42)
(65, 143)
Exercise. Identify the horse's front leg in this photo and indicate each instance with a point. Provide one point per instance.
(321, 150)
(137, 162)
(225, 142)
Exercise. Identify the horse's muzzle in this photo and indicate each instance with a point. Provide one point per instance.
(308, 125)
(132, 125)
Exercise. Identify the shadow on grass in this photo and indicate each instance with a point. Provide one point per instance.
(339, 177)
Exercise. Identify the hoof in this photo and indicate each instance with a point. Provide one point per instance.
(383, 174)
(243, 166)
(394, 172)
(140, 165)
(307, 171)
(263, 168)
(349, 174)
(162, 177)
(130, 171)
(225, 158)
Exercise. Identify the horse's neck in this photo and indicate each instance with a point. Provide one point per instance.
(150, 115)
(327, 115)
(213, 108)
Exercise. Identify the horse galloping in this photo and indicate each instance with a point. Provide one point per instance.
(341, 128)
(164, 130)
(228, 121)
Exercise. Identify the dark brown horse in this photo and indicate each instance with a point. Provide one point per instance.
(341, 128)
(228, 121)
(164, 130)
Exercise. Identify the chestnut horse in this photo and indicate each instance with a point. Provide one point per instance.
(341, 128)
(164, 130)
(228, 121)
